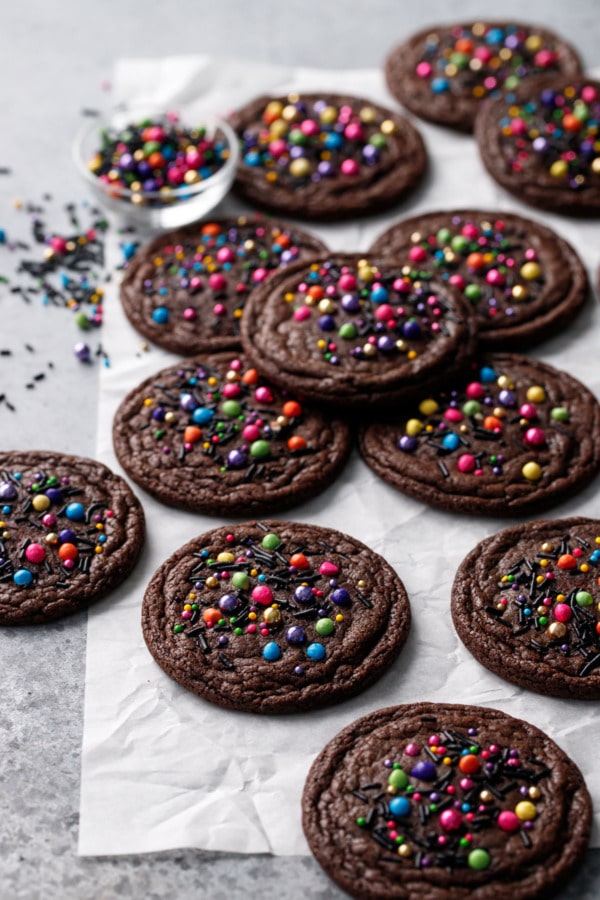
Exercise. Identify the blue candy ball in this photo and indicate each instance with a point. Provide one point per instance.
(271, 651)
(23, 577)
(315, 651)
(160, 315)
(75, 512)
(399, 806)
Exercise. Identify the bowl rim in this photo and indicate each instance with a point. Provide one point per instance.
(180, 193)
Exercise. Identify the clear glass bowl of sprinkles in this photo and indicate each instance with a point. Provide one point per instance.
(155, 170)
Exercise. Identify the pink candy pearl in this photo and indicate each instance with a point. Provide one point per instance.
(35, 553)
(508, 821)
(588, 94)
(251, 433)
(402, 286)
(384, 312)
(175, 175)
(259, 275)
(58, 244)
(412, 750)
(475, 390)
(544, 58)
(219, 309)
(217, 282)
(195, 283)
(453, 415)
(262, 594)
(189, 314)
(350, 167)
(535, 436)
(328, 568)
(518, 126)
(49, 520)
(225, 254)
(495, 277)
(483, 53)
(231, 390)
(417, 254)
(469, 231)
(466, 784)
(309, 127)
(450, 820)
(263, 395)
(457, 281)
(353, 132)
(423, 70)
(466, 463)
(302, 313)
(193, 158)
(347, 282)
(277, 148)
(562, 612)
(528, 410)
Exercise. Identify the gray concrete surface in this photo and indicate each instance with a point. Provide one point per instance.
(53, 59)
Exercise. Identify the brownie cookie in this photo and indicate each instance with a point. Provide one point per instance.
(435, 801)
(524, 281)
(443, 73)
(513, 437)
(71, 531)
(211, 435)
(541, 144)
(325, 156)
(275, 617)
(525, 603)
(350, 331)
(187, 289)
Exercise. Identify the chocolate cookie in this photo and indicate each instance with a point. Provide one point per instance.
(325, 156)
(211, 435)
(187, 289)
(275, 617)
(443, 73)
(438, 800)
(524, 281)
(525, 603)
(71, 531)
(350, 331)
(540, 143)
(514, 436)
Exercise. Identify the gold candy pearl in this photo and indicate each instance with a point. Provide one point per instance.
(273, 109)
(475, 65)
(505, 54)
(226, 557)
(137, 199)
(282, 421)
(416, 237)
(249, 245)
(486, 796)
(170, 417)
(401, 345)
(547, 547)
(289, 113)
(271, 616)
(557, 630)
(499, 412)
(533, 43)
(541, 610)
(404, 851)
(367, 114)
(534, 792)
(596, 165)
(326, 306)
(504, 382)
(388, 126)
(464, 429)
(138, 155)
(51, 538)
(328, 115)
(369, 350)
(406, 270)
(519, 292)
(362, 583)
(191, 177)
(232, 376)
(449, 257)
(212, 582)
(391, 789)
(451, 70)
(278, 128)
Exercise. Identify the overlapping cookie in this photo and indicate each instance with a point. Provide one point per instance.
(444, 73)
(524, 281)
(514, 436)
(212, 435)
(525, 602)
(541, 144)
(186, 290)
(352, 332)
(71, 531)
(438, 800)
(275, 617)
(325, 156)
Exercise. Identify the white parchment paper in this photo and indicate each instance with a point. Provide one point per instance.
(162, 768)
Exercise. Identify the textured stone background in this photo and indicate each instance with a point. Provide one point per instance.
(53, 59)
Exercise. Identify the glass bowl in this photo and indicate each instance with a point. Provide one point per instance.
(156, 210)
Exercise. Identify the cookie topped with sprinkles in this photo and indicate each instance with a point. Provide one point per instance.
(70, 532)
(275, 617)
(435, 800)
(325, 156)
(187, 289)
(212, 435)
(525, 602)
(541, 144)
(524, 281)
(351, 331)
(444, 73)
(513, 436)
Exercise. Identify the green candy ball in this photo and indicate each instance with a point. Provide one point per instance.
(324, 627)
(231, 408)
(479, 859)
(271, 541)
(259, 449)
